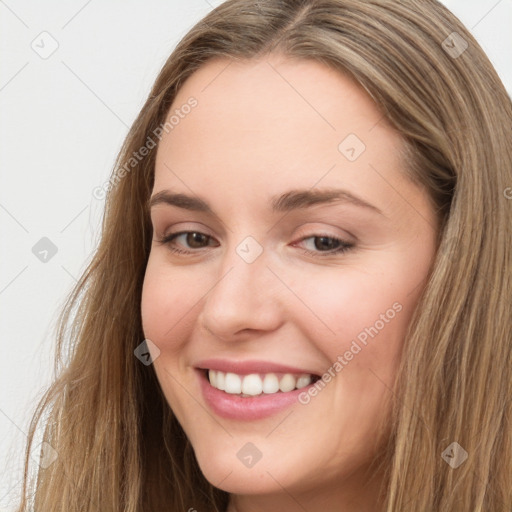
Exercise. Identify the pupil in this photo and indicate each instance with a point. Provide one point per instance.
(329, 243)
(193, 238)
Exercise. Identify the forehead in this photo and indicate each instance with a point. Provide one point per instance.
(256, 94)
(270, 122)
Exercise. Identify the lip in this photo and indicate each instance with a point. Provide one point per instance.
(235, 407)
(248, 367)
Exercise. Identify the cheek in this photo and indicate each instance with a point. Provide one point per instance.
(361, 316)
(167, 304)
(167, 309)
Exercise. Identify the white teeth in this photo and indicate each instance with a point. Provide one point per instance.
(270, 383)
(303, 381)
(232, 384)
(220, 383)
(287, 383)
(254, 385)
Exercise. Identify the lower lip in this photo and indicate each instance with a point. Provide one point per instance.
(250, 408)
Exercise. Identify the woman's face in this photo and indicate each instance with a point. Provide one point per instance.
(263, 172)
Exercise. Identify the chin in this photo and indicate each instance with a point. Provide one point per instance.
(233, 465)
(234, 478)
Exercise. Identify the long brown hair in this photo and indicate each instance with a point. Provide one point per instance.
(117, 442)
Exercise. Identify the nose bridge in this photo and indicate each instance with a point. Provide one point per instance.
(243, 296)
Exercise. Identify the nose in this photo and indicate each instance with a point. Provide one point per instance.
(244, 297)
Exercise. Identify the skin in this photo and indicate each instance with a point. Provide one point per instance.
(263, 127)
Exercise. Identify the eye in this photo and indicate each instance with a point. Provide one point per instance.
(332, 244)
(324, 245)
(195, 239)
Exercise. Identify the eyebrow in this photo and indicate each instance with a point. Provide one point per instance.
(291, 200)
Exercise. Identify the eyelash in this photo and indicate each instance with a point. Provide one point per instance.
(345, 246)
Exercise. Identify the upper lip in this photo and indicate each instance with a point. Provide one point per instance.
(250, 366)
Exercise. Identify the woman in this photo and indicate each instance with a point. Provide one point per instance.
(301, 297)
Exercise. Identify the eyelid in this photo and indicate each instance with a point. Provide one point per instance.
(304, 232)
(181, 227)
(316, 229)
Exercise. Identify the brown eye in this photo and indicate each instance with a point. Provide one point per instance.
(325, 245)
(191, 240)
(195, 239)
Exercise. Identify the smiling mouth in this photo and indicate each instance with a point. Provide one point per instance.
(257, 384)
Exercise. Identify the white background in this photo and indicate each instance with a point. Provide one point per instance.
(62, 122)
